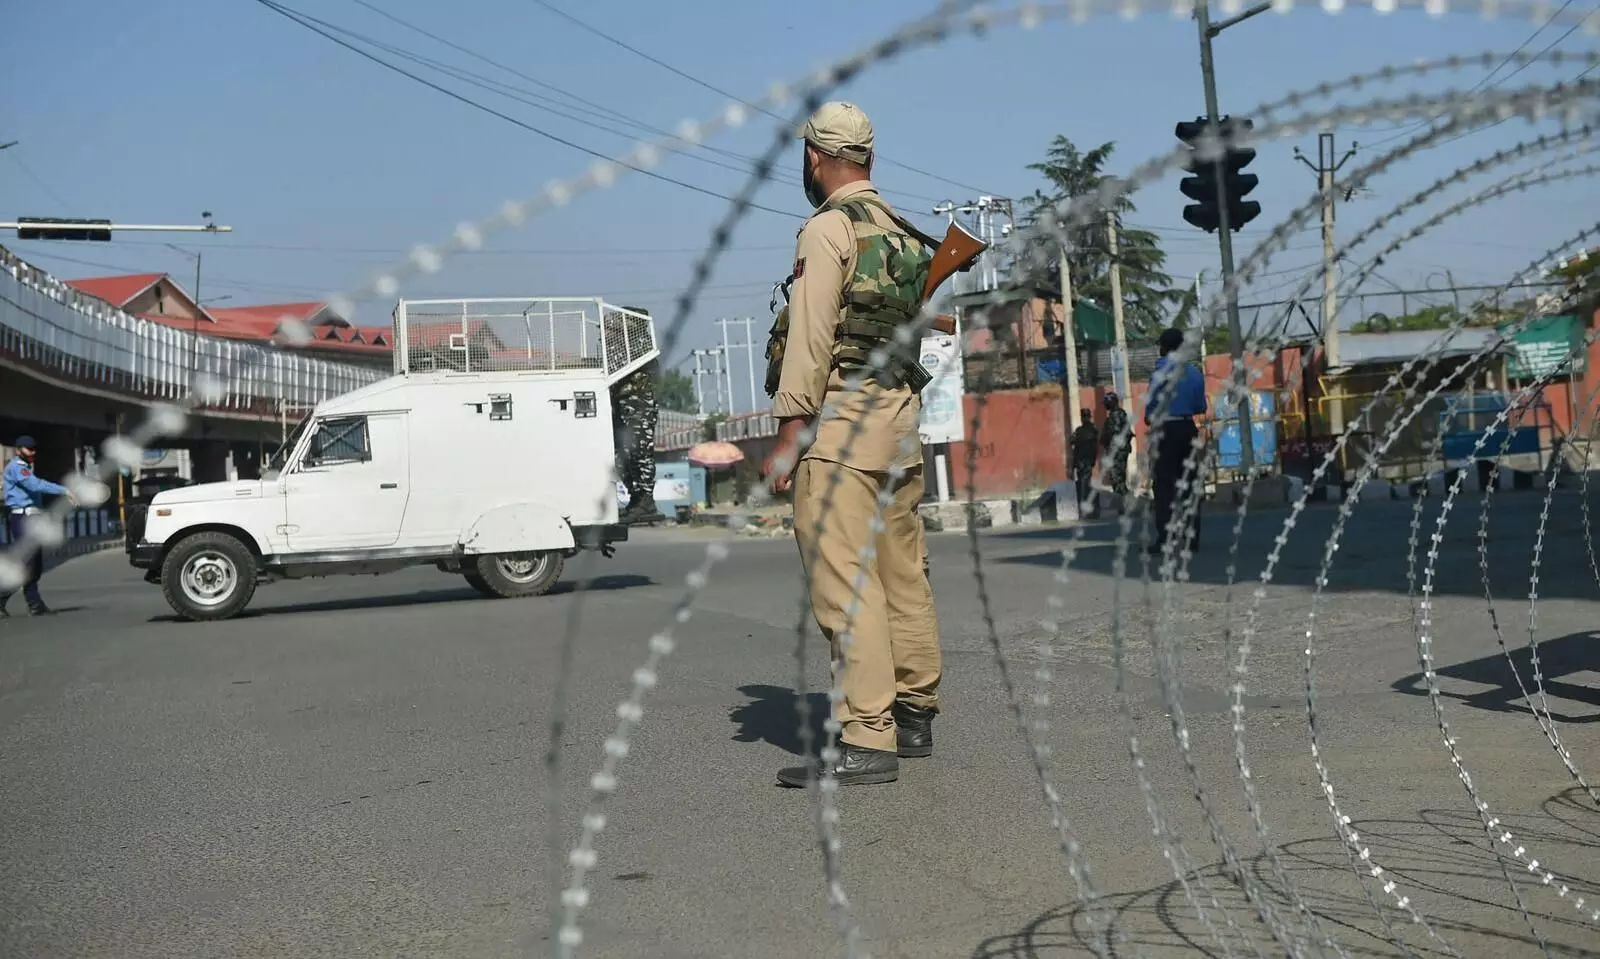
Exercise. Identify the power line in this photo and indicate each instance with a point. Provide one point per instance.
(297, 18)
(723, 93)
(1408, 129)
(526, 251)
(527, 97)
(599, 110)
(38, 181)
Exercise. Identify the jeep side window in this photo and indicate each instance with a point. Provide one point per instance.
(339, 441)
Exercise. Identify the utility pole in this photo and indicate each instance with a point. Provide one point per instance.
(699, 389)
(1208, 76)
(749, 347)
(1069, 346)
(750, 354)
(1119, 358)
(1325, 169)
(728, 357)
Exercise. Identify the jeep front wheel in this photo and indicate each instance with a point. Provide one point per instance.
(208, 576)
(509, 575)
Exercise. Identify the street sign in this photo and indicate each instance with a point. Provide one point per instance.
(943, 416)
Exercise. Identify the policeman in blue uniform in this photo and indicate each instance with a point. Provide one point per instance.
(1172, 434)
(24, 495)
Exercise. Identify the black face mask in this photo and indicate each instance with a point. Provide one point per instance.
(809, 181)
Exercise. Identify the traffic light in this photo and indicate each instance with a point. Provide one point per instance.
(1201, 186)
(61, 228)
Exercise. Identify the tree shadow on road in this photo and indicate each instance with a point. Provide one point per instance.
(1440, 859)
(1373, 548)
(1564, 656)
(770, 717)
(427, 598)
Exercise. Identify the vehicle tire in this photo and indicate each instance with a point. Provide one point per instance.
(208, 576)
(508, 575)
(477, 583)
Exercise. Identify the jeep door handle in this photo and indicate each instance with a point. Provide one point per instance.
(388, 486)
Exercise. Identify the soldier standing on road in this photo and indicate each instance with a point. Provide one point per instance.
(1117, 440)
(634, 412)
(858, 275)
(1172, 436)
(24, 495)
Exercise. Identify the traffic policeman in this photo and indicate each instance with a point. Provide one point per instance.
(858, 274)
(1173, 436)
(24, 496)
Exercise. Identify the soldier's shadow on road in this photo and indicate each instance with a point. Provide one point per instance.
(600, 584)
(1562, 657)
(770, 717)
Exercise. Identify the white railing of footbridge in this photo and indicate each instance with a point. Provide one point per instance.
(50, 327)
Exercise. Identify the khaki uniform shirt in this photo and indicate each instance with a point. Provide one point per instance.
(825, 260)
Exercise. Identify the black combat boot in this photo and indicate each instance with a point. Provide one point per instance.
(913, 730)
(641, 511)
(856, 766)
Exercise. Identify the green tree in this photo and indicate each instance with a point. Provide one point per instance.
(676, 392)
(708, 429)
(1147, 291)
(1188, 311)
(1438, 317)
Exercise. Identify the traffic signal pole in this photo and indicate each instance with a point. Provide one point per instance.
(1208, 30)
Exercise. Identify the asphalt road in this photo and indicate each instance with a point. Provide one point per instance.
(357, 766)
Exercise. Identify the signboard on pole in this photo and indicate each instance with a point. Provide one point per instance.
(1539, 349)
(943, 419)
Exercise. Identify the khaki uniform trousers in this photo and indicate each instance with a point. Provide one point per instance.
(893, 649)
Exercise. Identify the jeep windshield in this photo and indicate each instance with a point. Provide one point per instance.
(275, 464)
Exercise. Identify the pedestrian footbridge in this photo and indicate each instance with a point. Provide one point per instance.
(75, 371)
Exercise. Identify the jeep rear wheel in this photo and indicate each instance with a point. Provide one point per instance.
(509, 575)
(208, 576)
(477, 583)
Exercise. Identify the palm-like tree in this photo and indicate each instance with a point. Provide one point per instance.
(1147, 291)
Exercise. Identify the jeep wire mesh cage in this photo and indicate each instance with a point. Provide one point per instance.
(522, 334)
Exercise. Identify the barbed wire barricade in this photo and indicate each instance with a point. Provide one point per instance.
(1299, 929)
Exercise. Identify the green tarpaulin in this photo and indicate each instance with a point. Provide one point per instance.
(1541, 347)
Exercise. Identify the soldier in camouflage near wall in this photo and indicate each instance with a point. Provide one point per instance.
(1116, 439)
(634, 411)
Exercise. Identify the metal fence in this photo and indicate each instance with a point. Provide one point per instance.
(85, 343)
(524, 334)
(1010, 367)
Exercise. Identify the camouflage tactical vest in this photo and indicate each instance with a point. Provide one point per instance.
(883, 294)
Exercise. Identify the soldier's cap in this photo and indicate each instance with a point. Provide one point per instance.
(24, 443)
(840, 130)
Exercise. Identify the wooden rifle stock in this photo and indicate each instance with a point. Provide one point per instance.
(956, 253)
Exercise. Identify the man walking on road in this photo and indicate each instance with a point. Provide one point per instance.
(24, 495)
(1173, 435)
(858, 275)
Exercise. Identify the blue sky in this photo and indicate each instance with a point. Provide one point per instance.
(322, 160)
